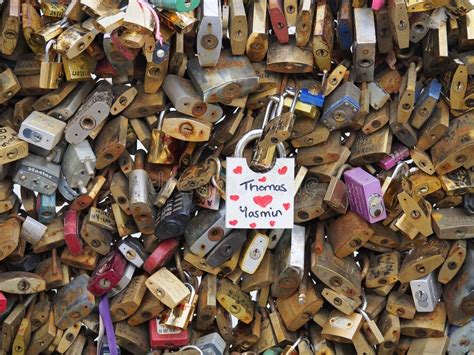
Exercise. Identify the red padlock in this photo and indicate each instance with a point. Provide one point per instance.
(161, 255)
(166, 337)
(107, 274)
(3, 303)
(71, 232)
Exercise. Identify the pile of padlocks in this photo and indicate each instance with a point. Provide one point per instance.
(338, 133)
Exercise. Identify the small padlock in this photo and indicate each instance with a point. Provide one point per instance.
(107, 274)
(79, 165)
(133, 250)
(164, 149)
(46, 208)
(181, 315)
(51, 72)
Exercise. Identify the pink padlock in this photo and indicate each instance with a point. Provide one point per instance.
(377, 4)
(71, 232)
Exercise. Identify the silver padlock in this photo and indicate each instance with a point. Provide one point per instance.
(290, 255)
(32, 230)
(186, 99)
(209, 35)
(37, 174)
(79, 165)
(66, 190)
(124, 281)
(68, 107)
(211, 344)
(461, 339)
(41, 130)
(378, 96)
(133, 250)
(275, 235)
(364, 44)
(205, 230)
(91, 114)
(426, 292)
(232, 77)
(341, 106)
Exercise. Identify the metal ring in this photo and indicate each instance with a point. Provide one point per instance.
(253, 135)
(191, 347)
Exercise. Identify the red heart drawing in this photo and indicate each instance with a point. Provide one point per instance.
(263, 201)
(234, 197)
(238, 170)
(262, 179)
(286, 206)
(282, 170)
(233, 222)
(253, 225)
(272, 223)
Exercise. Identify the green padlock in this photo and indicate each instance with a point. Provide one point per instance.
(176, 5)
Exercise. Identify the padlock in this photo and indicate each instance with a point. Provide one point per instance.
(111, 141)
(72, 101)
(431, 324)
(450, 152)
(107, 274)
(206, 307)
(454, 261)
(12, 148)
(425, 104)
(341, 106)
(341, 275)
(421, 260)
(91, 114)
(161, 255)
(235, 76)
(23, 335)
(98, 238)
(323, 37)
(238, 303)
(279, 128)
(124, 280)
(426, 292)
(128, 301)
(181, 315)
(46, 208)
(290, 257)
(186, 100)
(246, 335)
(74, 40)
(133, 250)
(364, 44)
(22, 109)
(133, 339)
(141, 195)
(12, 323)
(365, 196)
(173, 216)
(295, 314)
(209, 35)
(77, 69)
(79, 165)
(164, 337)
(167, 287)
(73, 303)
(457, 294)
(51, 72)
(42, 130)
(253, 252)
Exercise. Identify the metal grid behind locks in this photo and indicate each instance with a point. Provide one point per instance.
(119, 121)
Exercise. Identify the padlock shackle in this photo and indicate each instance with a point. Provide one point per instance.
(47, 49)
(268, 112)
(161, 117)
(191, 347)
(253, 135)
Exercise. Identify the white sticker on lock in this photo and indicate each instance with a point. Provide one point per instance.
(259, 200)
(32, 230)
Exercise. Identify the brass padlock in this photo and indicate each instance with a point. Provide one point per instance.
(51, 72)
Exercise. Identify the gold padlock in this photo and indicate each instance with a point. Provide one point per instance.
(51, 72)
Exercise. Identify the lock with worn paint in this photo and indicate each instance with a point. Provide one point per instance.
(107, 274)
(11, 147)
(133, 250)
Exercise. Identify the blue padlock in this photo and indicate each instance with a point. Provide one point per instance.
(46, 208)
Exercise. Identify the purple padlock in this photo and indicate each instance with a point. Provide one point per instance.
(365, 195)
(399, 153)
